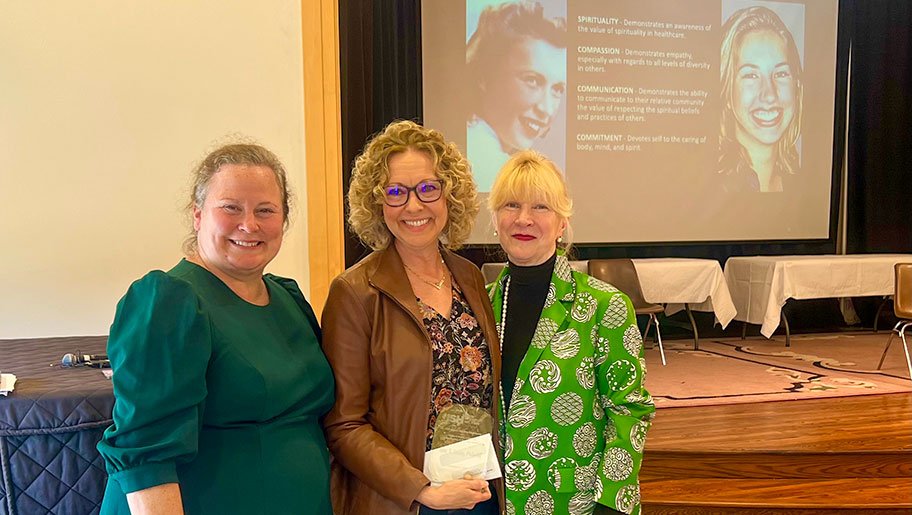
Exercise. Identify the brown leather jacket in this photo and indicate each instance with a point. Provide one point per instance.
(380, 352)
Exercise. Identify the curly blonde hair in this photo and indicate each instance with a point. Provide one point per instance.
(371, 174)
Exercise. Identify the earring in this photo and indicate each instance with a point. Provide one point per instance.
(495, 232)
(560, 239)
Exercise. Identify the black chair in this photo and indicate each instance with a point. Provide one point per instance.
(902, 307)
(622, 274)
(887, 299)
(490, 271)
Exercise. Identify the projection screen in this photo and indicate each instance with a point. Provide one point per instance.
(696, 121)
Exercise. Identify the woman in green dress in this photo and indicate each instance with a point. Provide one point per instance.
(219, 379)
(573, 368)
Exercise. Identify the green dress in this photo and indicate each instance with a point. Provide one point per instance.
(218, 395)
(577, 421)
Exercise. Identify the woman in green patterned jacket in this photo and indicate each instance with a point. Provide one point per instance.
(572, 359)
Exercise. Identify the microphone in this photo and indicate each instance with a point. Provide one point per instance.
(78, 359)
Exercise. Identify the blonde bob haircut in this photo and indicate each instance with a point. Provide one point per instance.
(371, 175)
(529, 176)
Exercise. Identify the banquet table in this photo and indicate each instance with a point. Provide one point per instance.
(761, 285)
(49, 426)
(686, 282)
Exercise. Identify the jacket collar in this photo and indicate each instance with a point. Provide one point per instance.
(562, 279)
(467, 276)
(562, 285)
(561, 294)
(389, 277)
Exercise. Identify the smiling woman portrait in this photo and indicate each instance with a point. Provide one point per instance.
(761, 96)
(218, 374)
(517, 67)
(409, 332)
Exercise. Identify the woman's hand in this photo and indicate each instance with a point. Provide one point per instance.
(455, 494)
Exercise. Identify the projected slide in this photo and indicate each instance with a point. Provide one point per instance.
(673, 121)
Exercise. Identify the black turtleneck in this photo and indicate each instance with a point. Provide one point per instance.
(526, 298)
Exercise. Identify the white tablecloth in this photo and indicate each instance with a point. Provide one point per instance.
(760, 285)
(676, 281)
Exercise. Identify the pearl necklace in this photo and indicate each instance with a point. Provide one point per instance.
(503, 313)
(504, 409)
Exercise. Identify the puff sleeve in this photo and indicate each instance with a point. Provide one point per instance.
(291, 286)
(159, 347)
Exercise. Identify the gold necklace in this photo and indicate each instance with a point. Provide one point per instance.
(436, 284)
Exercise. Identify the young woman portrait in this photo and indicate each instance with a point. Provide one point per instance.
(761, 96)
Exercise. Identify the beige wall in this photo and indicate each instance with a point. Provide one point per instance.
(104, 107)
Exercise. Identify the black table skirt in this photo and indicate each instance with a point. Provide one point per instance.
(49, 427)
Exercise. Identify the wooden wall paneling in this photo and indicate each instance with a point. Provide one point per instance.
(323, 141)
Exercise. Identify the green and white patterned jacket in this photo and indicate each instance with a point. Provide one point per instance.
(577, 421)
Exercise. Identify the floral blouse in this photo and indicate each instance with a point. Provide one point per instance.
(462, 363)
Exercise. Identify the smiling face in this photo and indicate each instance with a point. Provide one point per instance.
(522, 96)
(764, 90)
(528, 231)
(240, 225)
(416, 225)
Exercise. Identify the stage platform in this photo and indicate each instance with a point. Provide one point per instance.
(817, 456)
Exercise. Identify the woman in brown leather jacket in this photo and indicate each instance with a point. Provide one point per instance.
(409, 332)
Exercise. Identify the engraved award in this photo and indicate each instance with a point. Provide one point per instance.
(458, 422)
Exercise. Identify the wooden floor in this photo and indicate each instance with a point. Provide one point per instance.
(840, 455)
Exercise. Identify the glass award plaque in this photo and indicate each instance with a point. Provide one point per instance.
(457, 422)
